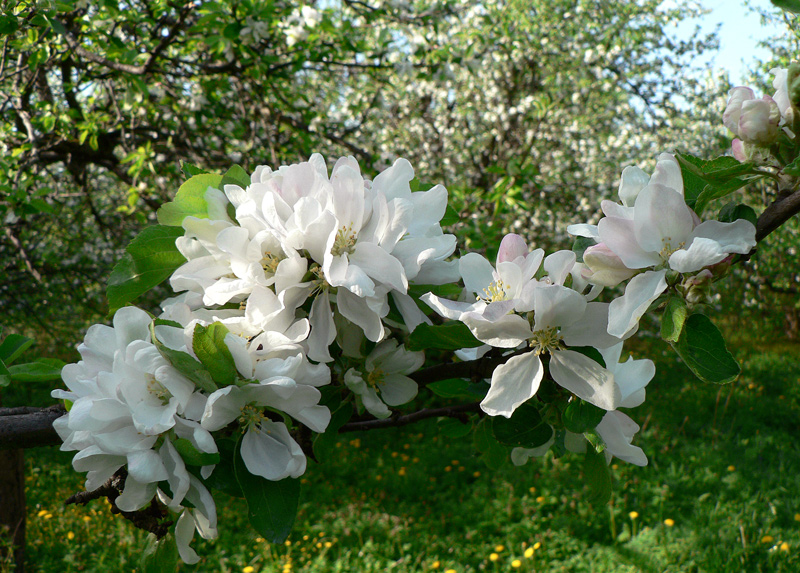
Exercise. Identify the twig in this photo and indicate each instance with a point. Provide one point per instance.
(776, 214)
(459, 412)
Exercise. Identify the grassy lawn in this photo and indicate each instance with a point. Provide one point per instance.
(720, 494)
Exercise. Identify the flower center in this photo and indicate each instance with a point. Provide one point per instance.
(375, 379)
(158, 390)
(251, 415)
(270, 263)
(545, 340)
(494, 292)
(668, 249)
(344, 242)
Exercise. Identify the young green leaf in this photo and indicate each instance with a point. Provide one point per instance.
(149, 259)
(185, 364)
(580, 416)
(40, 370)
(159, 555)
(12, 346)
(458, 388)
(450, 336)
(209, 346)
(598, 476)
(235, 176)
(324, 443)
(192, 456)
(732, 212)
(673, 318)
(271, 505)
(702, 348)
(792, 6)
(453, 428)
(191, 170)
(189, 201)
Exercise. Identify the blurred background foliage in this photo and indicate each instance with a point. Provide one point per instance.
(526, 111)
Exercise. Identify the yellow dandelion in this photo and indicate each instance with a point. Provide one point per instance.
(767, 539)
(493, 557)
(259, 540)
(476, 474)
(405, 457)
(248, 569)
(395, 454)
(633, 514)
(70, 536)
(304, 481)
(614, 466)
(356, 443)
(321, 534)
(461, 468)
(449, 570)
(414, 460)
(406, 446)
(435, 565)
(401, 472)
(319, 545)
(87, 518)
(529, 552)
(731, 468)
(516, 564)
(448, 468)
(454, 462)
(784, 546)
(328, 545)
(378, 477)
(797, 516)
(540, 499)
(537, 545)
(669, 522)
(41, 513)
(532, 489)
(305, 538)
(288, 543)
(499, 548)
(48, 516)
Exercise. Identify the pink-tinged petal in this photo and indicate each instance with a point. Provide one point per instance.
(633, 180)
(511, 247)
(617, 431)
(591, 329)
(556, 306)
(583, 230)
(668, 173)
(738, 150)
(661, 219)
(612, 209)
(323, 329)
(759, 121)
(585, 378)
(618, 234)
(513, 383)
(508, 332)
(605, 267)
(730, 117)
(558, 265)
(624, 312)
(477, 272)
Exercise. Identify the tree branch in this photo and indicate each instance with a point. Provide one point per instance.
(29, 427)
(776, 214)
(459, 412)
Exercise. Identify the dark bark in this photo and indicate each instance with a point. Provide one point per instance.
(12, 504)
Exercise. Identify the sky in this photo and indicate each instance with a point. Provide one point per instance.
(739, 34)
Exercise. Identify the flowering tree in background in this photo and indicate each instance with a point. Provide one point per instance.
(305, 300)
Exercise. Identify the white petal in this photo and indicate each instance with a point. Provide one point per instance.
(661, 218)
(617, 431)
(624, 312)
(513, 383)
(585, 378)
(397, 389)
(619, 236)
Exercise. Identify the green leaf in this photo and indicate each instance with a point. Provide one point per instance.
(324, 444)
(580, 416)
(451, 336)
(209, 346)
(191, 170)
(189, 201)
(792, 6)
(5, 375)
(451, 217)
(184, 363)
(493, 453)
(192, 456)
(525, 428)
(223, 478)
(453, 428)
(732, 212)
(12, 346)
(579, 246)
(705, 180)
(8, 24)
(40, 370)
(793, 168)
(159, 555)
(271, 505)
(236, 175)
(716, 191)
(458, 388)
(673, 319)
(149, 259)
(598, 476)
(702, 348)
(590, 352)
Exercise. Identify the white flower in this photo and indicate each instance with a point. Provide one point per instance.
(384, 381)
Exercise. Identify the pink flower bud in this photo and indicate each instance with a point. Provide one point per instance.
(738, 151)
(758, 121)
(604, 267)
(730, 117)
(512, 247)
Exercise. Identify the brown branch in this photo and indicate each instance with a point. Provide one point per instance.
(29, 427)
(23, 255)
(152, 518)
(460, 412)
(776, 214)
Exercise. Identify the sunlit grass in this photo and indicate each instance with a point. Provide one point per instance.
(719, 495)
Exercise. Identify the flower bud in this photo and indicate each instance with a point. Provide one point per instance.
(782, 97)
(758, 121)
(604, 267)
(733, 110)
(738, 151)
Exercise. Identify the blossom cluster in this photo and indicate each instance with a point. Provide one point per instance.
(301, 279)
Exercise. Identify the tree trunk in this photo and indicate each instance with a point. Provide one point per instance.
(12, 505)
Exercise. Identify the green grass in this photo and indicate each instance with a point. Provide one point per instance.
(724, 467)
